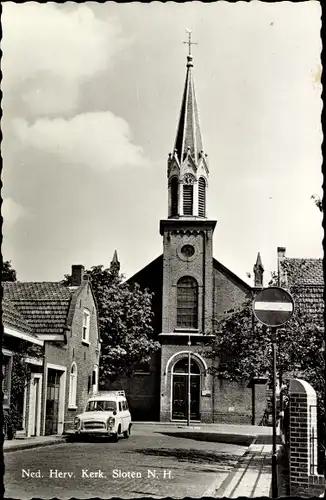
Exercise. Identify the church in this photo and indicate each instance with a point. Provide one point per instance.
(191, 291)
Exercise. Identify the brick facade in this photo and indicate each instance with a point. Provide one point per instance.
(85, 355)
(176, 234)
(304, 480)
(207, 291)
(54, 313)
(150, 395)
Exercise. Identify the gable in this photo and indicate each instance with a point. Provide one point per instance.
(229, 291)
(151, 277)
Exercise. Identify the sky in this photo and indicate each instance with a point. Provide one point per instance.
(91, 100)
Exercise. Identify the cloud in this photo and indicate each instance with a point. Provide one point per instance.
(99, 140)
(49, 51)
(11, 211)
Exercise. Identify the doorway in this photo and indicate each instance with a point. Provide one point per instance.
(52, 402)
(34, 417)
(180, 384)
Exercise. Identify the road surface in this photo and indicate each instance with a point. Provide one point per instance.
(149, 463)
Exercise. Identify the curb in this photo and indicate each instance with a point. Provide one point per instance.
(219, 487)
(26, 446)
(219, 493)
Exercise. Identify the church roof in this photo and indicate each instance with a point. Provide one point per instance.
(218, 265)
(188, 136)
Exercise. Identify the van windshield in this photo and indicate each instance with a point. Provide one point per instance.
(101, 406)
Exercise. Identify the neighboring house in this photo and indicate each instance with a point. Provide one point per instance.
(305, 277)
(65, 320)
(192, 290)
(17, 331)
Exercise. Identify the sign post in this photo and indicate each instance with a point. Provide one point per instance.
(189, 386)
(273, 307)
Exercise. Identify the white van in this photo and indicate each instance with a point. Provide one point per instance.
(106, 414)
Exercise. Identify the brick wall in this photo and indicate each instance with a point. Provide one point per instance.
(84, 355)
(233, 402)
(142, 391)
(176, 266)
(304, 480)
(227, 293)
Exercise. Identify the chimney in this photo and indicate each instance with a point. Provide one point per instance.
(258, 272)
(77, 274)
(281, 273)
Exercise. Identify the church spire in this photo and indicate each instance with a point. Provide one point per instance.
(115, 264)
(258, 271)
(187, 165)
(188, 137)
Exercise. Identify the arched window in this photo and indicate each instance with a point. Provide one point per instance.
(187, 303)
(174, 186)
(202, 197)
(182, 366)
(188, 199)
(73, 385)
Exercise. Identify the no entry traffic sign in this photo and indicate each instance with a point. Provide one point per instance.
(273, 306)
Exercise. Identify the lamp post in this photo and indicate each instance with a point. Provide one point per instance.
(189, 387)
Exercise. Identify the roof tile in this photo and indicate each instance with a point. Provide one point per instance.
(43, 305)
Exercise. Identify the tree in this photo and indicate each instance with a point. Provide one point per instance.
(7, 272)
(244, 348)
(318, 202)
(125, 316)
(243, 345)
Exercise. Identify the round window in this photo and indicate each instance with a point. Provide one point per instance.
(187, 250)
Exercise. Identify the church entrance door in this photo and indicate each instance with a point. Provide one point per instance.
(180, 380)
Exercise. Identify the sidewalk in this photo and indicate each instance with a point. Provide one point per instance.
(32, 442)
(252, 476)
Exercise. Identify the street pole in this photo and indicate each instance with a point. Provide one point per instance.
(274, 458)
(189, 393)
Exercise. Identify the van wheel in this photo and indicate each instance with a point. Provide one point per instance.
(127, 433)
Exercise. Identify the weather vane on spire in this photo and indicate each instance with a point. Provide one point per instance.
(190, 43)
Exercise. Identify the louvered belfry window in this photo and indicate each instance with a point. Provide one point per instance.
(188, 199)
(201, 197)
(174, 196)
(187, 303)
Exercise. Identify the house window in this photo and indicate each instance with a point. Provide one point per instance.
(188, 195)
(174, 196)
(73, 386)
(86, 321)
(201, 197)
(187, 303)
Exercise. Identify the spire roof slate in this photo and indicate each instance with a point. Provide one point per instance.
(188, 136)
(259, 262)
(115, 259)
